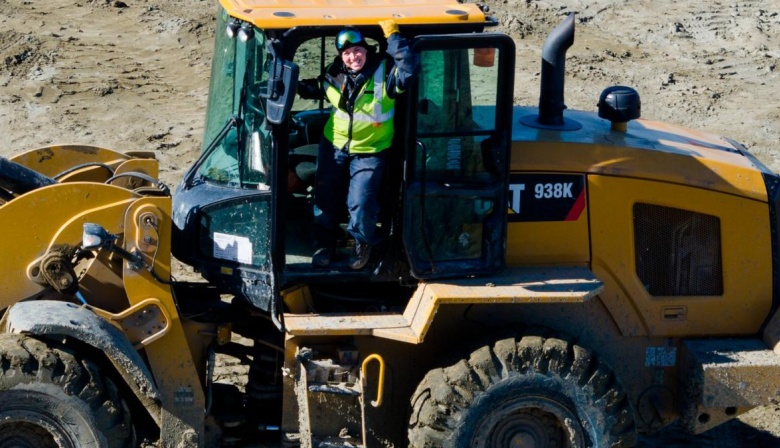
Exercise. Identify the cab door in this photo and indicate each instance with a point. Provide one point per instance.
(457, 160)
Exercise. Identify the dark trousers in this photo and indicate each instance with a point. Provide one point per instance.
(351, 180)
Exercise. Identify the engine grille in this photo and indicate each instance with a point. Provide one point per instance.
(678, 252)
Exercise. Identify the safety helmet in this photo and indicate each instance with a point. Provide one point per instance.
(350, 37)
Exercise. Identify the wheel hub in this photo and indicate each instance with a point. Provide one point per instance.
(25, 429)
(25, 435)
(530, 422)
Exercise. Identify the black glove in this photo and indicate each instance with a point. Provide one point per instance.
(309, 89)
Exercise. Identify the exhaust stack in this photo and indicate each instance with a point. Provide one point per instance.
(551, 103)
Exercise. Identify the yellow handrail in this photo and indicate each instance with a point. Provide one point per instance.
(375, 403)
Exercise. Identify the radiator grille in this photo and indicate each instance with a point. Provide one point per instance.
(678, 252)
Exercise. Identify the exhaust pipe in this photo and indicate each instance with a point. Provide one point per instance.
(551, 103)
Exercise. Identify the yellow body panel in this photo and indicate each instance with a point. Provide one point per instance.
(559, 242)
(52, 215)
(269, 14)
(746, 260)
(178, 377)
(648, 150)
(53, 160)
(511, 286)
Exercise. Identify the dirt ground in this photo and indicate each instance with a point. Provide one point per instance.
(133, 75)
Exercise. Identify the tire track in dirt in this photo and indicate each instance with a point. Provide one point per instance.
(732, 27)
(83, 70)
(709, 65)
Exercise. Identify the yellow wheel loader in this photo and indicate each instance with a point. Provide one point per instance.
(549, 277)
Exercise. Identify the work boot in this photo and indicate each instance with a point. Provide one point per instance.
(360, 259)
(322, 257)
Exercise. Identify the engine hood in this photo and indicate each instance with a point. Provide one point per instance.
(647, 150)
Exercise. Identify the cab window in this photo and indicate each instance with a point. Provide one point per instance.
(456, 114)
(240, 157)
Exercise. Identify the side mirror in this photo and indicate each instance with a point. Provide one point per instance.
(282, 88)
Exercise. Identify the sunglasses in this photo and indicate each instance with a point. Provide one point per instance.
(348, 38)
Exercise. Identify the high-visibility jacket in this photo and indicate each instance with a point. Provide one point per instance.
(369, 128)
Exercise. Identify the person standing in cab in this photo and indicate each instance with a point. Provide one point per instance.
(362, 86)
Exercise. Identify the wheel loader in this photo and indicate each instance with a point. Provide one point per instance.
(549, 277)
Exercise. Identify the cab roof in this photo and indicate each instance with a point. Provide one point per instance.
(282, 14)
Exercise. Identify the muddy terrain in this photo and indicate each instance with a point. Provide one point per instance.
(133, 75)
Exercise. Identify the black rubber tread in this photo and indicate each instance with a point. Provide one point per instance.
(443, 399)
(31, 364)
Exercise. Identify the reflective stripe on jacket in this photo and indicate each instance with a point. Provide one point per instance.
(371, 120)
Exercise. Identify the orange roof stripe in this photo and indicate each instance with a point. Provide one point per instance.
(269, 14)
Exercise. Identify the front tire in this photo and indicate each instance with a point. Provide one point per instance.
(51, 399)
(545, 393)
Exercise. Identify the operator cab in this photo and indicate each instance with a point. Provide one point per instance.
(243, 213)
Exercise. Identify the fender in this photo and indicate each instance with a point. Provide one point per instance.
(514, 285)
(55, 318)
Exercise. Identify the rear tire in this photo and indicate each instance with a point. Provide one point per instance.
(51, 399)
(529, 392)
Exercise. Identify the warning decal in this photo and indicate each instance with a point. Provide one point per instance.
(232, 248)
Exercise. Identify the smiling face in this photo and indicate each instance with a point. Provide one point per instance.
(354, 58)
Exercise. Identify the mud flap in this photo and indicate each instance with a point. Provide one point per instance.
(57, 319)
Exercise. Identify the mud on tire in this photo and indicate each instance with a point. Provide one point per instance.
(51, 398)
(531, 392)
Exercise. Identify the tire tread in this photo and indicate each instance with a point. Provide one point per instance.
(445, 394)
(26, 360)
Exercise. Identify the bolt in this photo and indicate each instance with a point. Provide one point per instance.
(149, 220)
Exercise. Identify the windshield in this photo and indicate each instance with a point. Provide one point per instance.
(240, 156)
